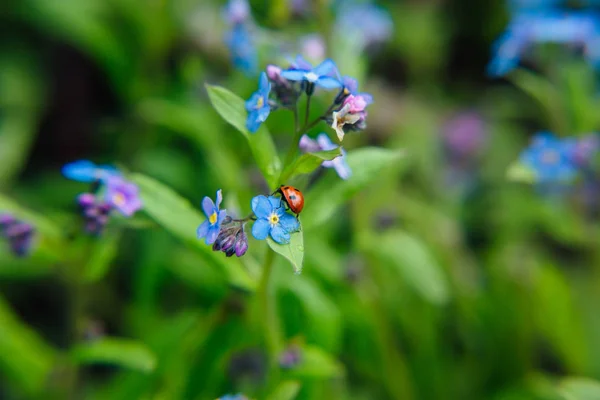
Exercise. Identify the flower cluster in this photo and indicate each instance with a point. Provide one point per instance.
(528, 27)
(555, 160)
(227, 234)
(109, 191)
(19, 234)
(281, 88)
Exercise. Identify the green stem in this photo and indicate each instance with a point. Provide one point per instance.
(306, 113)
(294, 145)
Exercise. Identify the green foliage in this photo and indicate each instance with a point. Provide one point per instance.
(121, 352)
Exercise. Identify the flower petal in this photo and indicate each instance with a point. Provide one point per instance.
(213, 232)
(342, 168)
(293, 75)
(280, 235)
(308, 145)
(325, 143)
(82, 170)
(202, 230)
(289, 223)
(328, 82)
(264, 86)
(261, 206)
(219, 198)
(260, 229)
(252, 101)
(275, 202)
(222, 215)
(208, 206)
(326, 68)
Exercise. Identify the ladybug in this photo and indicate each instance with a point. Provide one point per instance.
(292, 197)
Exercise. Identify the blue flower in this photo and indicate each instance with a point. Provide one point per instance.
(530, 27)
(238, 396)
(272, 219)
(241, 46)
(323, 143)
(209, 229)
(258, 104)
(363, 24)
(549, 158)
(320, 75)
(87, 171)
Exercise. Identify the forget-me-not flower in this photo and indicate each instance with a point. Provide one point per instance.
(549, 158)
(272, 219)
(19, 234)
(323, 143)
(209, 229)
(321, 75)
(122, 195)
(87, 171)
(258, 104)
(548, 26)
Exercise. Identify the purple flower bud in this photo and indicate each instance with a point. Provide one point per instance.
(6, 219)
(19, 234)
(86, 200)
(241, 245)
(290, 357)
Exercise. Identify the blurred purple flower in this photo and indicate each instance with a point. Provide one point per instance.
(96, 212)
(19, 234)
(365, 23)
(323, 143)
(237, 11)
(585, 150)
(313, 47)
(290, 357)
(123, 196)
(465, 135)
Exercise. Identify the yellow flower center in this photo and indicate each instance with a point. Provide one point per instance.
(260, 102)
(119, 199)
(273, 219)
(213, 218)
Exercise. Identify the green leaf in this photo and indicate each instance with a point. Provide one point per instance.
(317, 364)
(287, 390)
(122, 352)
(177, 216)
(293, 251)
(575, 388)
(517, 172)
(103, 252)
(308, 162)
(232, 108)
(412, 259)
(329, 194)
(25, 358)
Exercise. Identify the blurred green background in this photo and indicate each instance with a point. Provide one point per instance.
(426, 276)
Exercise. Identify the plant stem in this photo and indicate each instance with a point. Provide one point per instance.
(306, 113)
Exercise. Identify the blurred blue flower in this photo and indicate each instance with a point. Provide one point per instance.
(323, 143)
(209, 229)
(87, 171)
(123, 195)
(363, 23)
(18, 234)
(549, 158)
(237, 11)
(258, 104)
(238, 396)
(529, 27)
(517, 5)
(321, 75)
(272, 219)
(243, 51)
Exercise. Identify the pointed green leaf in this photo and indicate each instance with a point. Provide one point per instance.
(232, 108)
(287, 390)
(575, 388)
(177, 216)
(413, 260)
(293, 251)
(307, 163)
(330, 193)
(316, 363)
(25, 359)
(122, 352)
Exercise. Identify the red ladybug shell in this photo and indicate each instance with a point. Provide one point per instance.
(293, 197)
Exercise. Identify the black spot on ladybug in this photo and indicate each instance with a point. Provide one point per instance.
(292, 197)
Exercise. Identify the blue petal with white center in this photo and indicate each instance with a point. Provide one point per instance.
(272, 220)
(257, 105)
(322, 75)
(209, 229)
(87, 171)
